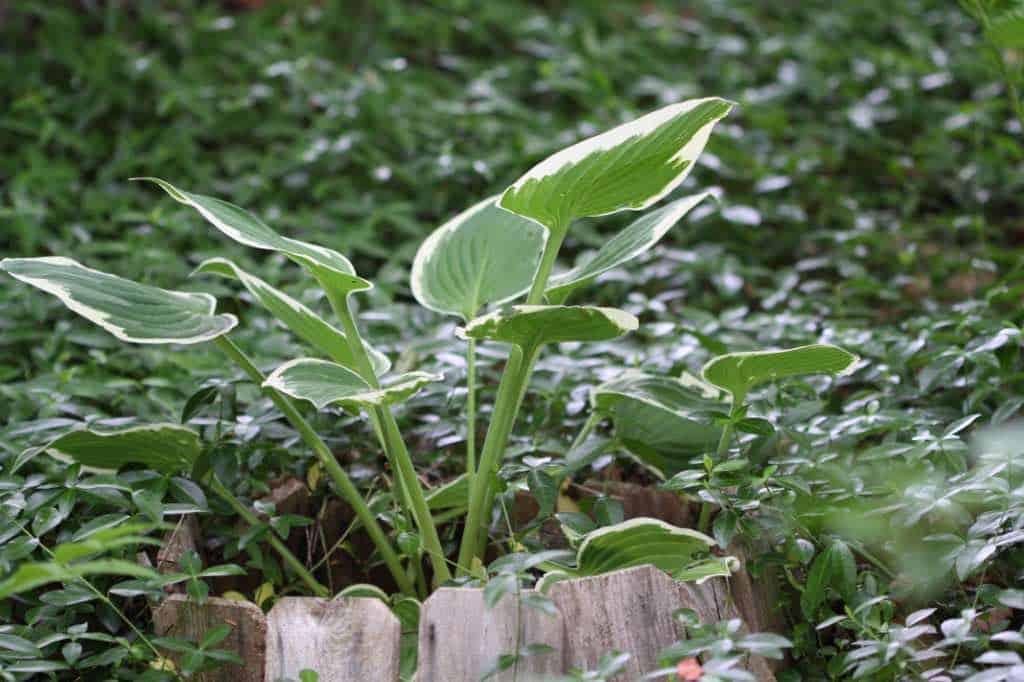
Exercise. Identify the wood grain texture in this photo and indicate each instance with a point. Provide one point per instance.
(179, 617)
(177, 542)
(344, 639)
(628, 611)
(460, 638)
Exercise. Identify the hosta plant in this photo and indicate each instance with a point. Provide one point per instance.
(494, 267)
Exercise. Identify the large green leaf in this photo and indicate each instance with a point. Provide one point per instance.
(661, 420)
(531, 326)
(168, 448)
(324, 383)
(483, 255)
(133, 312)
(682, 552)
(331, 269)
(631, 166)
(738, 373)
(302, 321)
(631, 242)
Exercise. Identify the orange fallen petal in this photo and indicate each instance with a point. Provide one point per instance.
(689, 670)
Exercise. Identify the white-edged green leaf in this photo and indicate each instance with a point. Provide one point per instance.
(630, 167)
(531, 326)
(168, 448)
(302, 321)
(331, 269)
(133, 312)
(483, 255)
(659, 419)
(631, 242)
(365, 591)
(642, 541)
(325, 383)
(680, 396)
(738, 373)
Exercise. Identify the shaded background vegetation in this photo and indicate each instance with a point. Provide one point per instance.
(871, 195)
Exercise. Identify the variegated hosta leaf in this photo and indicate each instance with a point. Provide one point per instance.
(302, 321)
(531, 326)
(633, 241)
(324, 383)
(331, 269)
(168, 448)
(631, 166)
(483, 255)
(133, 312)
(686, 396)
(682, 552)
(738, 373)
(660, 420)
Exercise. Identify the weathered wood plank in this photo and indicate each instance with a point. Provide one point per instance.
(628, 611)
(177, 616)
(460, 638)
(717, 600)
(344, 639)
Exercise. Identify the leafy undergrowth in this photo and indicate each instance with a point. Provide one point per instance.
(870, 198)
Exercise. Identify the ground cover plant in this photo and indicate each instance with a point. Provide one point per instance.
(867, 194)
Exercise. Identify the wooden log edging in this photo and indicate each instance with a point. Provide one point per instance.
(349, 639)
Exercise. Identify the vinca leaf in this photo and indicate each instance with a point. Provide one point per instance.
(133, 312)
(738, 373)
(531, 326)
(32, 575)
(483, 255)
(628, 244)
(629, 167)
(324, 383)
(330, 268)
(302, 321)
(167, 448)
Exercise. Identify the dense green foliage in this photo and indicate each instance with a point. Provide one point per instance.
(870, 198)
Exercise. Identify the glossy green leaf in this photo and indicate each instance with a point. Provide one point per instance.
(642, 541)
(330, 268)
(531, 326)
(32, 575)
(660, 420)
(325, 383)
(628, 244)
(104, 540)
(133, 312)
(738, 373)
(630, 167)
(483, 255)
(168, 448)
(302, 321)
